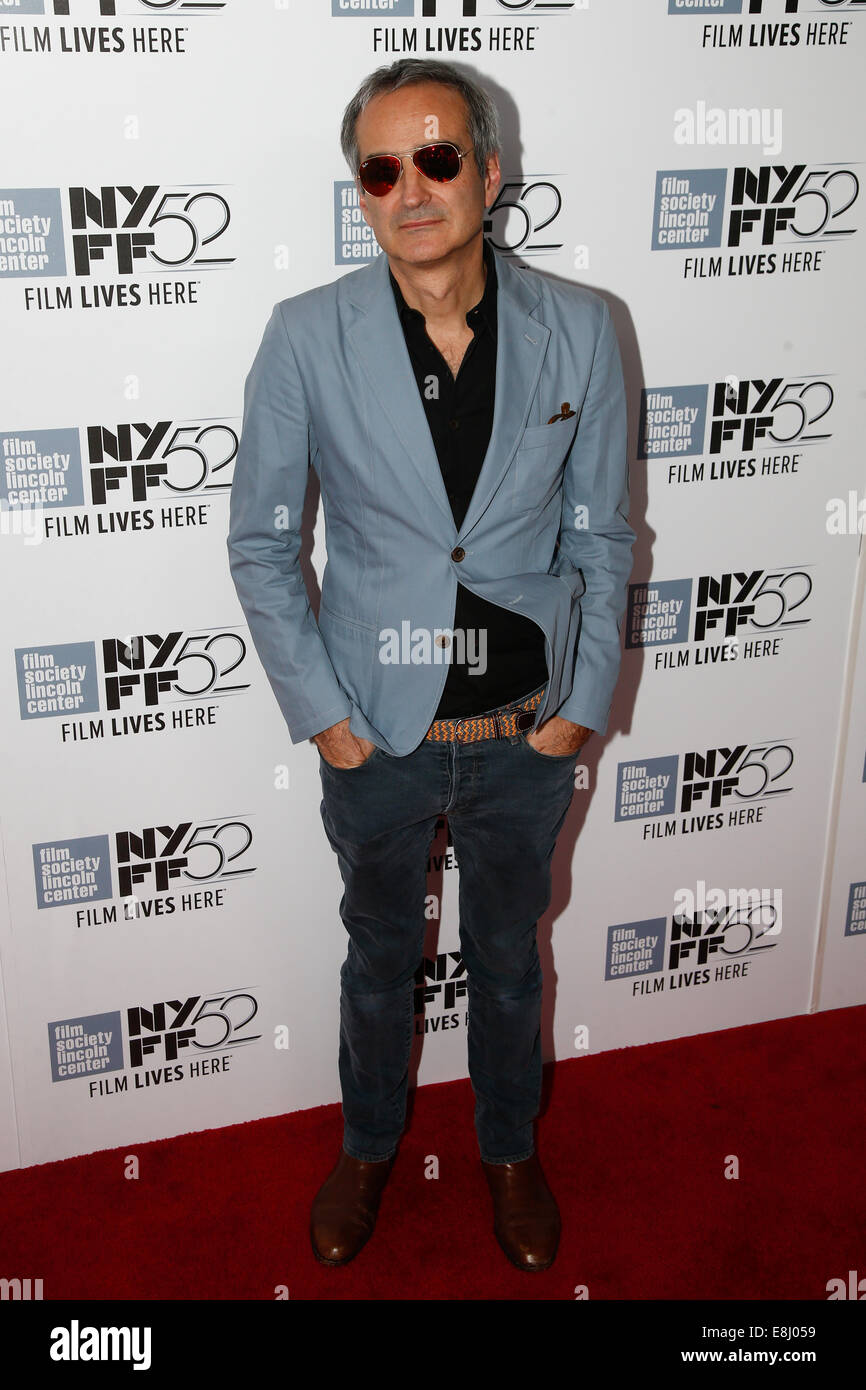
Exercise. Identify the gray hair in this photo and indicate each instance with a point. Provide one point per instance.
(482, 115)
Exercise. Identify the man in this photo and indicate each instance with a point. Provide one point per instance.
(466, 420)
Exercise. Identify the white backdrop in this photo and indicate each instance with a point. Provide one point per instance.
(170, 942)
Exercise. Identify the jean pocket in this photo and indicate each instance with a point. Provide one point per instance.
(547, 757)
(356, 767)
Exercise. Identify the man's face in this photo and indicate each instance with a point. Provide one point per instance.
(421, 221)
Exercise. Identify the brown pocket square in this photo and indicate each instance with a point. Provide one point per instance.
(566, 413)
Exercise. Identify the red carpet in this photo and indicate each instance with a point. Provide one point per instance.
(634, 1144)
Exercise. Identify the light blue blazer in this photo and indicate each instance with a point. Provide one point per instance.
(546, 533)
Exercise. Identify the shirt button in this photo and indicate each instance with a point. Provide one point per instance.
(454, 424)
(458, 553)
(443, 640)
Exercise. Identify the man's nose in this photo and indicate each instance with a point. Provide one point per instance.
(416, 189)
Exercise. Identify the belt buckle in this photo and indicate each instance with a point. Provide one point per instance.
(525, 719)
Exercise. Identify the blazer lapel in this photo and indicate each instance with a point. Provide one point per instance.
(521, 344)
(377, 337)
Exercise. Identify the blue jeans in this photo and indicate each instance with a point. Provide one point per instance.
(505, 804)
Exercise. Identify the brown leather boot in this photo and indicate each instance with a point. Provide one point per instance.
(345, 1208)
(526, 1219)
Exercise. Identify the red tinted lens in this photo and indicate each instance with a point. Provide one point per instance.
(438, 162)
(379, 174)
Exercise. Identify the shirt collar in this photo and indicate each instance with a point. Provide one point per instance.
(485, 308)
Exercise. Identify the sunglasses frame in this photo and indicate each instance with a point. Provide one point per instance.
(428, 145)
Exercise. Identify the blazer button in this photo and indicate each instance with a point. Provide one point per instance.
(458, 552)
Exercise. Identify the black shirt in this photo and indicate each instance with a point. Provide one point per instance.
(460, 416)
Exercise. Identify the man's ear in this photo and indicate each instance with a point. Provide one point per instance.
(492, 180)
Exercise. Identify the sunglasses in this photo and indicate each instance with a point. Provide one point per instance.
(441, 162)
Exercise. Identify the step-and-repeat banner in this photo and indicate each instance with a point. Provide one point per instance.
(171, 941)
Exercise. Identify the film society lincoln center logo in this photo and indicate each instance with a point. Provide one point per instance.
(728, 786)
(770, 219)
(737, 429)
(116, 470)
(178, 866)
(713, 937)
(149, 683)
(101, 238)
(169, 1041)
(716, 619)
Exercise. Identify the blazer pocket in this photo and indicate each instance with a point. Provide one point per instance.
(538, 464)
(540, 436)
(341, 618)
(352, 648)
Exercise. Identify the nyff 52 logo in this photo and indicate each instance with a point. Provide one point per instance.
(142, 458)
(782, 411)
(207, 1024)
(761, 600)
(746, 772)
(798, 200)
(166, 229)
(150, 665)
(188, 853)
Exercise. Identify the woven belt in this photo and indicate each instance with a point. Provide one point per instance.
(499, 723)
